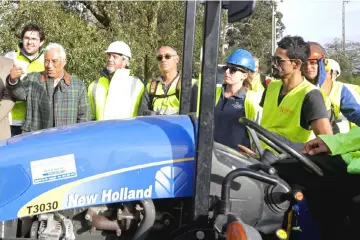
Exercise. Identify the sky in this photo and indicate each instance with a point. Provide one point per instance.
(321, 20)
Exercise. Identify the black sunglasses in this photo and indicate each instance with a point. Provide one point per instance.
(233, 69)
(277, 60)
(167, 56)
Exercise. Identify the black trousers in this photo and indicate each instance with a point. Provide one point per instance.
(15, 130)
(329, 196)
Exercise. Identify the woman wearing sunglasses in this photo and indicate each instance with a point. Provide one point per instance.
(235, 99)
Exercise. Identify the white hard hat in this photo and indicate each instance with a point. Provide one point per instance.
(334, 65)
(119, 47)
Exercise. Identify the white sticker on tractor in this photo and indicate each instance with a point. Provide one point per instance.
(53, 169)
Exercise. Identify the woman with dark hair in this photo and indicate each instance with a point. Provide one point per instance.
(235, 99)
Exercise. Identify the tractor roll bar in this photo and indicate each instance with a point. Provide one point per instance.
(205, 138)
(188, 54)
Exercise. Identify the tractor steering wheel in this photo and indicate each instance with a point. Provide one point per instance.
(290, 150)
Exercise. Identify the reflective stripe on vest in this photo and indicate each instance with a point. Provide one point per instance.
(169, 103)
(98, 93)
(17, 114)
(284, 119)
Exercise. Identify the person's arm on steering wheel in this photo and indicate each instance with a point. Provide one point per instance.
(338, 144)
(315, 146)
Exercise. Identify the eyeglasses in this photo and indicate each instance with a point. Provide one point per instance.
(27, 39)
(277, 60)
(312, 62)
(233, 69)
(167, 56)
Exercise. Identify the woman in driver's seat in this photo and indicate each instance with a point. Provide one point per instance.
(235, 99)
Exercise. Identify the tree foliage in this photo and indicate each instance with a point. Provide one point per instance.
(348, 59)
(86, 28)
(254, 33)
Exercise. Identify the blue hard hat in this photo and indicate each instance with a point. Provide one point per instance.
(242, 58)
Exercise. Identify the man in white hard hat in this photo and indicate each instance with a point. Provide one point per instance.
(116, 94)
(344, 97)
(334, 69)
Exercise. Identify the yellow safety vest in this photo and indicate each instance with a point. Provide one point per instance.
(252, 107)
(18, 112)
(251, 103)
(98, 92)
(256, 84)
(335, 97)
(284, 119)
(169, 103)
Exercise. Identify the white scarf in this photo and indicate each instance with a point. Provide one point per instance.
(122, 95)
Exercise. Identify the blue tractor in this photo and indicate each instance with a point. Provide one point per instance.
(152, 177)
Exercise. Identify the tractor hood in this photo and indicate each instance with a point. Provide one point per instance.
(56, 167)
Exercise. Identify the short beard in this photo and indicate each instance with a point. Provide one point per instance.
(110, 70)
(276, 74)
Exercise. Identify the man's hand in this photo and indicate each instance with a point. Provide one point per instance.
(315, 146)
(15, 73)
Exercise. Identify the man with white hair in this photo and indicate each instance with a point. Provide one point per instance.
(334, 68)
(116, 94)
(53, 97)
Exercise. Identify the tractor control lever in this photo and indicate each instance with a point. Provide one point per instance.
(260, 166)
(224, 203)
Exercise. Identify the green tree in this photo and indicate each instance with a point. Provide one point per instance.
(86, 28)
(254, 33)
(83, 43)
(348, 58)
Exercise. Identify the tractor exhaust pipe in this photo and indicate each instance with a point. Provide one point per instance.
(148, 221)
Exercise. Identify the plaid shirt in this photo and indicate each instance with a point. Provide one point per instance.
(47, 106)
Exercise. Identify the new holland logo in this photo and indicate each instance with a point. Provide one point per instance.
(169, 181)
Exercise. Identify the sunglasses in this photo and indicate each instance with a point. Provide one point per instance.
(277, 60)
(167, 56)
(233, 69)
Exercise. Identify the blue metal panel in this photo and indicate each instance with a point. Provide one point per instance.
(13, 181)
(150, 157)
